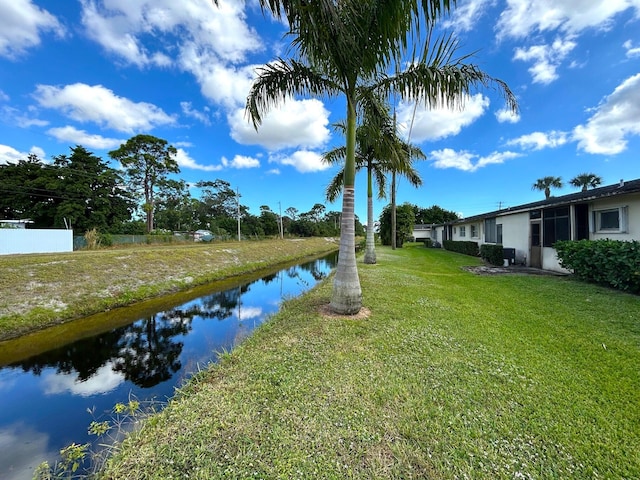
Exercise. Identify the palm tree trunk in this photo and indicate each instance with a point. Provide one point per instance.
(393, 210)
(370, 252)
(346, 298)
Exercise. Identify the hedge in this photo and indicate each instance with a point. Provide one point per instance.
(492, 254)
(608, 262)
(466, 247)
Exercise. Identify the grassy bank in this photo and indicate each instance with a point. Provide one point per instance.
(43, 290)
(452, 375)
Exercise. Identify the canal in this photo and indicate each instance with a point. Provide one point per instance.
(49, 398)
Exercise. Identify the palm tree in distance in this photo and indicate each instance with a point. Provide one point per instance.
(546, 183)
(341, 45)
(380, 151)
(586, 180)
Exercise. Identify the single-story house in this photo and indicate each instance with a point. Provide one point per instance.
(531, 230)
(421, 231)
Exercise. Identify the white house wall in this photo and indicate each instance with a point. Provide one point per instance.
(515, 234)
(19, 240)
(632, 202)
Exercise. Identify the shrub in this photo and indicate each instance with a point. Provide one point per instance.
(608, 262)
(465, 247)
(494, 254)
(106, 240)
(92, 239)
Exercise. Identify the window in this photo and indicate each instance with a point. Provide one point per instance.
(612, 220)
(490, 231)
(474, 231)
(499, 233)
(555, 226)
(463, 231)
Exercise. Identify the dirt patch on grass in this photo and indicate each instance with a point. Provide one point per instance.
(325, 311)
(511, 269)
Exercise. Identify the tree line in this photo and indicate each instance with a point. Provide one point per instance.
(82, 191)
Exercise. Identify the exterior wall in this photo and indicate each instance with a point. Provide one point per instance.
(421, 232)
(19, 240)
(632, 203)
(467, 232)
(515, 234)
(550, 260)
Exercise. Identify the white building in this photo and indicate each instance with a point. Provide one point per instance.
(531, 230)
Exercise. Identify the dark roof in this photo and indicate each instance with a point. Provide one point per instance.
(622, 188)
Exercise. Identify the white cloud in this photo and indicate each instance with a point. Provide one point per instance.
(225, 85)
(466, 161)
(200, 116)
(21, 24)
(297, 123)
(10, 154)
(617, 117)
(467, 14)
(507, 115)
(4, 97)
(522, 18)
(247, 313)
(103, 381)
(14, 116)
(23, 449)
(97, 104)
(437, 123)
(540, 140)
(184, 160)
(303, 161)
(545, 58)
(273, 171)
(201, 38)
(81, 137)
(631, 50)
(240, 161)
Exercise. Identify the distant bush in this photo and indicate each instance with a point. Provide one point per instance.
(494, 254)
(106, 240)
(465, 247)
(608, 262)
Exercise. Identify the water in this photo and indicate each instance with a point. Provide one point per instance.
(48, 400)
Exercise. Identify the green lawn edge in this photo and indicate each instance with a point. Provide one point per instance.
(42, 290)
(451, 375)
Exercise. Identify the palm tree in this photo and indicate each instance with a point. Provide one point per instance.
(586, 180)
(379, 150)
(341, 45)
(544, 184)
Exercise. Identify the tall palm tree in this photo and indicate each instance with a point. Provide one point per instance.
(546, 183)
(586, 180)
(340, 45)
(379, 150)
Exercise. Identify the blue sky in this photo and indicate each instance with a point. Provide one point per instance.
(97, 72)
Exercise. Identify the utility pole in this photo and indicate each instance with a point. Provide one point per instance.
(281, 227)
(238, 202)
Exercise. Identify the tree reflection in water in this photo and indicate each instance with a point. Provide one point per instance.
(148, 351)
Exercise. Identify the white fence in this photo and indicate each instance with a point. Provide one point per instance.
(20, 240)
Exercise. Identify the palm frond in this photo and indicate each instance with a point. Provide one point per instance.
(439, 86)
(334, 189)
(335, 156)
(281, 79)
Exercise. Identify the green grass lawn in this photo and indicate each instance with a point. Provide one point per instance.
(452, 375)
